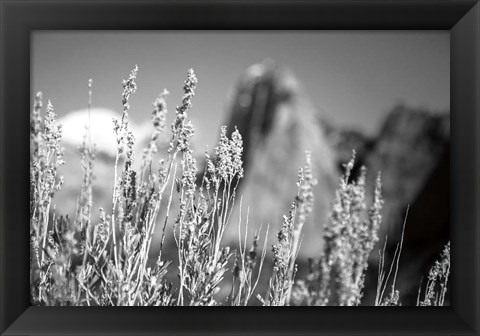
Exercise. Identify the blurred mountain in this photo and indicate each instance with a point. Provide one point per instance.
(410, 150)
(428, 228)
(409, 146)
(407, 149)
(278, 124)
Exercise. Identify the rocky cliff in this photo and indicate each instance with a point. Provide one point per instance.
(411, 150)
(278, 124)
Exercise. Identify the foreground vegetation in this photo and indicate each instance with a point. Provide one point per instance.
(103, 259)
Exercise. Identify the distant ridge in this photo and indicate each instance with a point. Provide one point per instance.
(278, 123)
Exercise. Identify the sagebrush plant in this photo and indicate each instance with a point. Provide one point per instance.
(103, 259)
(338, 276)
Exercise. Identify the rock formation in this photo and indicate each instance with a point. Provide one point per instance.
(278, 125)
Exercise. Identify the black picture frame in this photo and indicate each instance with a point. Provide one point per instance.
(20, 17)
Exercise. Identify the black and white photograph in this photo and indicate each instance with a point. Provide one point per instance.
(240, 168)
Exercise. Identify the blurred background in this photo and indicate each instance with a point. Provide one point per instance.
(384, 94)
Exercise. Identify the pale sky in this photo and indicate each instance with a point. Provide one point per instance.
(352, 77)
